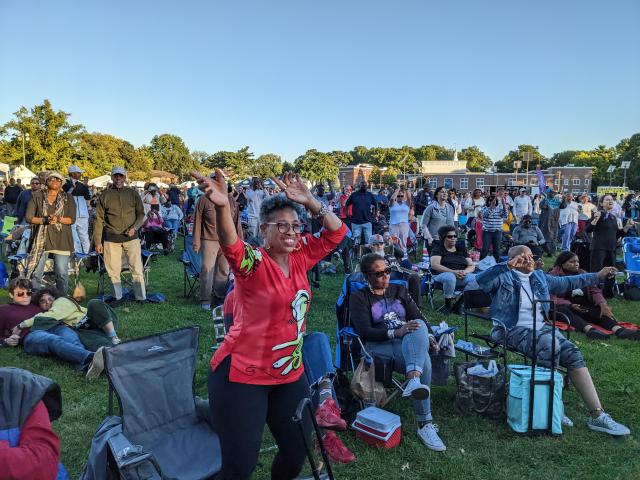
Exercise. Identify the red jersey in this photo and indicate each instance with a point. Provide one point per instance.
(270, 310)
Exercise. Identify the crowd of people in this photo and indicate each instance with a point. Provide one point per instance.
(269, 242)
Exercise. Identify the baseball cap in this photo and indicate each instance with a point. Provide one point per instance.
(57, 175)
(75, 169)
(376, 239)
(118, 170)
(523, 189)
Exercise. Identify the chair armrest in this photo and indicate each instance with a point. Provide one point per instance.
(128, 455)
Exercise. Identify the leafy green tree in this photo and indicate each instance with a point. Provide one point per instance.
(506, 164)
(237, 165)
(341, 158)
(288, 167)
(199, 157)
(630, 152)
(316, 166)
(477, 160)
(96, 153)
(140, 164)
(170, 154)
(267, 166)
(52, 139)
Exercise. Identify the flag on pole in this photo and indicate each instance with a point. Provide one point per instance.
(542, 184)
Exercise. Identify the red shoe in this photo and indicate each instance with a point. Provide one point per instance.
(328, 416)
(336, 450)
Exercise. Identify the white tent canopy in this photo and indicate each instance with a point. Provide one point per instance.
(23, 174)
(100, 182)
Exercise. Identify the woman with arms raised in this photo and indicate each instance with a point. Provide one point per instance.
(257, 374)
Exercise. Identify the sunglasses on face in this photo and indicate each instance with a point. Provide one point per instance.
(381, 273)
(451, 236)
(285, 227)
(23, 294)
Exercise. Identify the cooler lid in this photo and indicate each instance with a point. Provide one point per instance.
(378, 419)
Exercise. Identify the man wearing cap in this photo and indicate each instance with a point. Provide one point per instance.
(81, 196)
(522, 205)
(119, 215)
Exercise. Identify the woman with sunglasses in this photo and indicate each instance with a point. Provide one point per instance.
(452, 266)
(256, 375)
(20, 308)
(391, 325)
(51, 212)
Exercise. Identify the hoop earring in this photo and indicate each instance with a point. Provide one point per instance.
(297, 247)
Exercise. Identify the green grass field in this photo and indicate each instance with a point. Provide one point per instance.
(476, 449)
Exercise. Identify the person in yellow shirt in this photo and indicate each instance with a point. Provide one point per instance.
(70, 331)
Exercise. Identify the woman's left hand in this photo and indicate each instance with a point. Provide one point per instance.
(295, 189)
(605, 311)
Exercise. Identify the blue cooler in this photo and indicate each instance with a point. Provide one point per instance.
(518, 400)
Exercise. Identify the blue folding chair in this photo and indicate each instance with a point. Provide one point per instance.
(192, 263)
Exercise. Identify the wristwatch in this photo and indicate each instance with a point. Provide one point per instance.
(324, 210)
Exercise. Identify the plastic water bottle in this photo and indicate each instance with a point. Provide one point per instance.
(426, 261)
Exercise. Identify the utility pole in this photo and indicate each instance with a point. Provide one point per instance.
(527, 158)
(516, 165)
(610, 172)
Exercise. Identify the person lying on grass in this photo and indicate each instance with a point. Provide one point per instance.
(586, 307)
(70, 332)
(514, 286)
(18, 309)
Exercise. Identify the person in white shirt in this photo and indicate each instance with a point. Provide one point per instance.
(255, 196)
(474, 204)
(81, 197)
(569, 213)
(171, 215)
(522, 205)
(585, 210)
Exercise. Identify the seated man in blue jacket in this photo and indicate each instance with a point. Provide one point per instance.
(514, 286)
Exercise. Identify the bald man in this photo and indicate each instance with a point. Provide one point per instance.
(514, 286)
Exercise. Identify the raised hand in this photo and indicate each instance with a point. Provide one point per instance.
(214, 189)
(295, 189)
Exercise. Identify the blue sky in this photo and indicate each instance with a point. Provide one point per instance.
(283, 76)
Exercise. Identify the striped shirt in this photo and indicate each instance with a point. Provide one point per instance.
(492, 218)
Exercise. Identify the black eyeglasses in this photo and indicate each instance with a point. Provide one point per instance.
(23, 294)
(381, 273)
(451, 236)
(284, 227)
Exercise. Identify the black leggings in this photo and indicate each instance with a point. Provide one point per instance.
(494, 239)
(240, 411)
(592, 315)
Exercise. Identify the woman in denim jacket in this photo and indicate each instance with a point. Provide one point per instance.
(514, 286)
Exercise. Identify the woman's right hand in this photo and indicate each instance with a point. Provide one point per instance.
(196, 248)
(410, 326)
(214, 189)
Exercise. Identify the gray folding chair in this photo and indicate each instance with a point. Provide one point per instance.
(152, 378)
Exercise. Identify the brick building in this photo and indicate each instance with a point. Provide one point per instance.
(353, 174)
(454, 174)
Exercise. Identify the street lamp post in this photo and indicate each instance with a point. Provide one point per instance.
(527, 158)
(625, 165)
(25, 136)
(610, 172)
(516, 165)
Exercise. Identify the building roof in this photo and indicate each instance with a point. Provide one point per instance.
(162, 174)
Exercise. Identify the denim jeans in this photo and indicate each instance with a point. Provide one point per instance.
(80, 231)
(172, 224)
(317, 357)
(358, 228)
(450, 283)
(409, 353)
(61, 270)
(569, 232)
(60, 341)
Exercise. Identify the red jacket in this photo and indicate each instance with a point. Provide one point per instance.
(37, 453)
(594, 294)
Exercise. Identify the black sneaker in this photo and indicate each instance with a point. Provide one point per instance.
(594, 334)
(117, 302)
(628, 334)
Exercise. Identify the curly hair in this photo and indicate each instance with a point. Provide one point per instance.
(367, 261)
(275, 203)
(44, 291)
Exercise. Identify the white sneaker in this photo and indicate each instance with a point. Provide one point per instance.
(429, 436)
(566, 421)
(604, 423)
(416, 390)
(97, 364)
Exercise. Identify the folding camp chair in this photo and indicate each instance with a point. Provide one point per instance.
(153, 378)
(492, 349)
(349, 345)
(192, 263)
(631, 258)
(125, 273)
